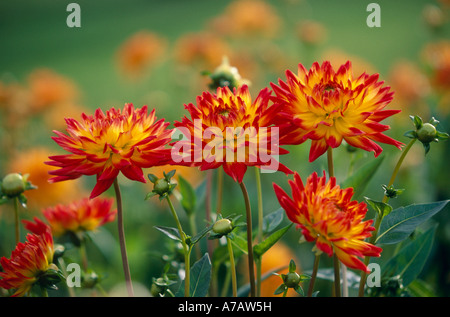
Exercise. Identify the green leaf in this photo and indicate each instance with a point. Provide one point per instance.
(382, 209)
(22, 200)
(152, 178)
(401, 222)
(292, 266)
(201, 234)
(359, 180)
(410, 260)
(417, 121)
(172, 233)
(419, 288)
(299, 290)
(149, 195)
(188, 198)
(272, 220)
(169, 175)
(241, 243)
(412, 134)
(266, 244)
(200, 278)
(280, 289)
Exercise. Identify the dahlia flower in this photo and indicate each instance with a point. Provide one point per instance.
(79, 216)
(29, 262)
(327, 216)
(229, 129)
(105, 144)
(329, 106)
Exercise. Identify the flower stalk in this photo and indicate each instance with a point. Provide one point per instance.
(186, 249)
(232, 267)
(251, 269)
(123, 250)
(314, 275)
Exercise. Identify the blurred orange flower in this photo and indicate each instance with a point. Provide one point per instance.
(31, 161)
(79, 216)
(48, 88)
(436, 57)
(140, 51)
(410, 85)
(311, 32)
(203, 49)
(247, 18)
(28, 262)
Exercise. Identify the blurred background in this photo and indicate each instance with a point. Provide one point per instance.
(154, 52)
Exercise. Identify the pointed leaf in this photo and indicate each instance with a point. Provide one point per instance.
(382, 209)
(272, 220)
(401, 222)
(266, 244)
(172, 233)
(188, 198)
(359, 180)
(280, 289)
(410, 260)
(200, 278)
(152, 178)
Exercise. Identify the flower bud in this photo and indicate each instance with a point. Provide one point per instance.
(291, 279)
(222, 226)
(427, 133)
(161, 186)
(13, 184)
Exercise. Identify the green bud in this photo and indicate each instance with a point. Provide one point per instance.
(291, 279)
(13, 184)
(222, 226)
(427, 133)
(161, 186)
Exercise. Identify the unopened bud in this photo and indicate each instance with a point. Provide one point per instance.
(13, 184)
(222, 226)
(427, 133)
(291, 279)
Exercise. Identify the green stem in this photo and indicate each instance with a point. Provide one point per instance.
(123, 250)
(379, 218)
(219, 190)
(62, 264)
(193, 227)
(187, 250)
(16, 216)
(314, 275)
(260, 229)
(337, 277)
(397, 167)
(83, 255)
(233, 267)
(330, 162)
(251, 269)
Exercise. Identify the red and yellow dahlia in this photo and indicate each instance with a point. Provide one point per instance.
(28, 262)
(105, 144)
(79, 216)
(327, 216)
(329, 106)
(229, 129)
